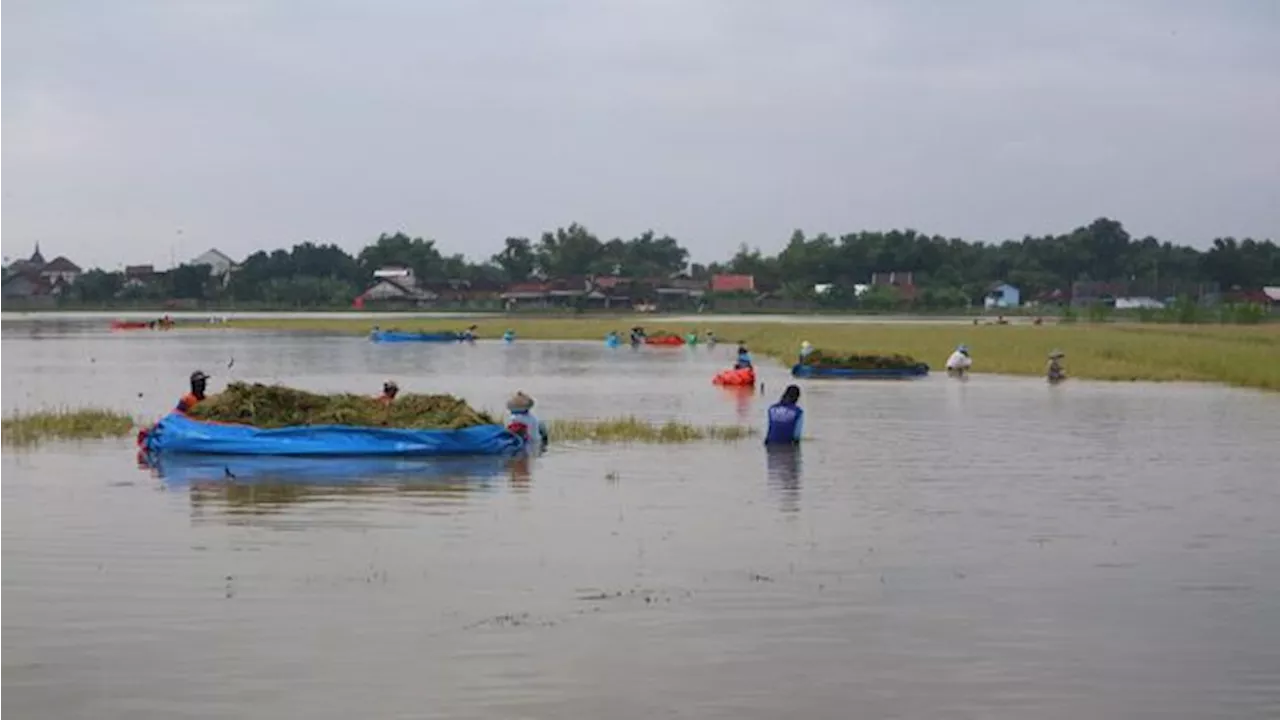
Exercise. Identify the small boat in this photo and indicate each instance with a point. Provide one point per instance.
(819, 371)
(664, 340)
(736, 377)
(397, 336)
(178, 433)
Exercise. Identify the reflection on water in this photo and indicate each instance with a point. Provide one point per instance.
(989, 549)
(783, 462)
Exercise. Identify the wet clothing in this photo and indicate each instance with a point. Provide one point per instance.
(1055, 371)
(959, 361)
(526, 425)
(786, 424)
(187, 402)
(744, 359)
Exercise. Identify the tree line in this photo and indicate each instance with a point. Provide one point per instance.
(948, 272)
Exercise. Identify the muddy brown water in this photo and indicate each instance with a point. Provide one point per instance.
(987, 549)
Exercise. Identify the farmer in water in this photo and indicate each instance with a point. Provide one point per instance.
(806, 349)
(786, 419)
(389, 391)
(744, 357)
(199, 381)
(959, 363)
(521, 421)
(1054, 371)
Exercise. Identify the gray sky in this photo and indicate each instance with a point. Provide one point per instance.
(133, 129)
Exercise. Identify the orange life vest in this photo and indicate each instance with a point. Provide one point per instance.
(187, 402)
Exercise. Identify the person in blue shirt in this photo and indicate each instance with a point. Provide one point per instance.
(786, 419)
(744, 357)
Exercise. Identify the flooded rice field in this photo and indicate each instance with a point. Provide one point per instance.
(989, 549)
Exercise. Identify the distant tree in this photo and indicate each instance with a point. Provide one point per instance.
(517, 259)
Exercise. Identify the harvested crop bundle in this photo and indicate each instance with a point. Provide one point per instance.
(275, 406)
(859, 361)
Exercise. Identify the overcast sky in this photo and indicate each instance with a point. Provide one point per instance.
(133, 130)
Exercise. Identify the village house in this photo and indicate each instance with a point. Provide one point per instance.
(35, 280)
(395, 285)
(1002, 295)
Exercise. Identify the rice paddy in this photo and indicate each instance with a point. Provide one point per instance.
(635, 430)
(32, 428)
(1241, 355)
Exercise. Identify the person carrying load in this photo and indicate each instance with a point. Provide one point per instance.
(522, 422)
(959, 363)
(199, 382)
(786, 419)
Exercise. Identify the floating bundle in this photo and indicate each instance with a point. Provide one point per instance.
(276, 406)
(860, 361)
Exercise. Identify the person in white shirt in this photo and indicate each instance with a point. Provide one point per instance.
(959, 363)
(522, 422)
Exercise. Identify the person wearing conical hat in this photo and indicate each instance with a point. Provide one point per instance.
(1054, 370)
(521, 421)
(959, 363)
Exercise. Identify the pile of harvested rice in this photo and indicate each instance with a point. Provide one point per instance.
(274, 406)
(859, 361)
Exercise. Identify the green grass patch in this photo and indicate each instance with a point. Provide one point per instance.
(32, 428)
(635, 430)
(1242, 355)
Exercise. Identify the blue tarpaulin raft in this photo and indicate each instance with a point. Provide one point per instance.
(180, 469)
(395, 336)
(811, 371)
(177, 433)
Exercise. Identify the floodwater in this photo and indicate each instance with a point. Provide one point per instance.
(986, 549)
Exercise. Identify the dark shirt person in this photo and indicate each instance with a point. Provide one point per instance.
(199, 382)
(786, 419)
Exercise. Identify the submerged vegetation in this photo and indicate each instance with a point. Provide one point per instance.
(274, 406)
(1243, 355)
(30, 428)
(631, 429)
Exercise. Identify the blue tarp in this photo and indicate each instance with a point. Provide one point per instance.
(177, 433)
(809, 371)
(180, 469)
(393, 336)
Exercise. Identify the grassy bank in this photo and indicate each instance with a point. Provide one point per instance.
(1247, 356)
(65, 424)
(630, 429)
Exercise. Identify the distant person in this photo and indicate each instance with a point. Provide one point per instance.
(199, 382)
(469, 335)
(786, 419)
(744, 357)
(522, 422)
(711, 337)
(509, 336)
(692, 338)
(1054, 371)
(1001, 321)
(959, 363)
(389, 391)
(375, 331)
(637, 336)
(805, 351)
(612, 339)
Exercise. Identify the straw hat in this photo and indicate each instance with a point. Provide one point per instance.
(1057, 354)
(520, 402)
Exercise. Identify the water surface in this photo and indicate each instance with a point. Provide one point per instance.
(988, 549)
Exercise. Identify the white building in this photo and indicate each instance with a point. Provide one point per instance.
(219, 264)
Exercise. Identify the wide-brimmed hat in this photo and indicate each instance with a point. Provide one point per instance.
(519, 402)
(198, 376)
(1057, 354)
